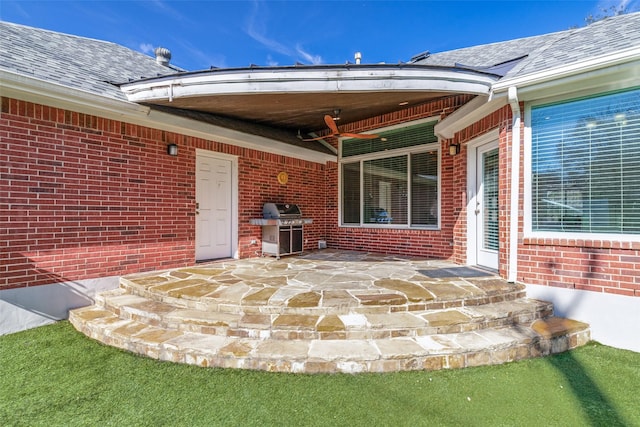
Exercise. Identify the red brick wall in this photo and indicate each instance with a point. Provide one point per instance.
(258, 184)
(586, 264)
(85, 197)
(598, 266)
(440, 244)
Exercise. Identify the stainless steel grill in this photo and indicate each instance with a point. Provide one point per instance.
(282, 229)
(281, 211)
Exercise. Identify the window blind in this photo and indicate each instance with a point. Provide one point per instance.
(385, 190)
(392, 139)
(351, 193)
(424, 188)
(586, 165)
(490, 210)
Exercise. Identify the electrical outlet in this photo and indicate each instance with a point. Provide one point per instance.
(253, 241)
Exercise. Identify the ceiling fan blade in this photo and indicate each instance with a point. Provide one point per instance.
(359, 135)
(331, 124)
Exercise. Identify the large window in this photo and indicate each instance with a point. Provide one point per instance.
(392, 180)
(585, 165)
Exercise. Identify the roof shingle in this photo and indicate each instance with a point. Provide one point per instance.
(72, 61)
(549, 50)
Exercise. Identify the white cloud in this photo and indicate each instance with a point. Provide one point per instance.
(172, 13)
(271, 62)
(314, 59)
(146, 48)
(256, 29)
(19, 10)
(194, 54)
(614, 5)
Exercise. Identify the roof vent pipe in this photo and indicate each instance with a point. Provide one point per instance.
(358, 57)
(163, 55)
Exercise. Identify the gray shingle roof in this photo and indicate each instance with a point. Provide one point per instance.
(73, 61)
(549, 50)
(92, 65)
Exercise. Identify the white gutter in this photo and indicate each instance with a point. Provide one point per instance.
(471, 112)
(18, 86)
(266, 81)
(578, 69)
(512, 273)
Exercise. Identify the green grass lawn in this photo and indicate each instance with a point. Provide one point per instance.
(54, 376)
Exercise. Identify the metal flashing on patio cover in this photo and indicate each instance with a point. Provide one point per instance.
(305, 94)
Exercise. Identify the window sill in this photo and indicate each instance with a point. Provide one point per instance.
(389, 227)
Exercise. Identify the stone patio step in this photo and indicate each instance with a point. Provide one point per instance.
(268, 297)
(330, 311)
(443, 351)
(324, 326)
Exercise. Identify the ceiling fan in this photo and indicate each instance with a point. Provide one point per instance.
(331, 124)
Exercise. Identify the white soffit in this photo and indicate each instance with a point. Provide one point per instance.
(607, 72)
(42, 92)
(332, 80)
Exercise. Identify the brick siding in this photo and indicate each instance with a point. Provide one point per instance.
(85, 197)
(435, 244)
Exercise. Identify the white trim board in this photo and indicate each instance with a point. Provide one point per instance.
(489, 137)
(42, 92)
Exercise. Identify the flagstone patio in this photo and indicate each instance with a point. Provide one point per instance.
(328, 311)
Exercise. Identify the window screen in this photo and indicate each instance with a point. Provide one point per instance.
(406, 137)
(351, 193)
(490, 172)
(385, 190)
(424, 188)
(586, 165)
(398, 188)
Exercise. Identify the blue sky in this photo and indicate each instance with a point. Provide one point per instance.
(201, 34)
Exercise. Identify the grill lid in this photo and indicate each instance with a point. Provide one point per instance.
(280, 211)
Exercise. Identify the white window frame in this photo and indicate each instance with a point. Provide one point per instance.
(434, 146)
(528, 192)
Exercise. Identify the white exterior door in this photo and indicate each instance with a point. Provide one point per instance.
(214, 207)
(486, 206)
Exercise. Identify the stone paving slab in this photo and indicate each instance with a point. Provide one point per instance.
(340, 279)
(323, 326)
(445, 318)
(395, 321)
(351, 356)
(329, 350)
(326, 311)
(206, 318)
(195, 291)
(399, 348)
